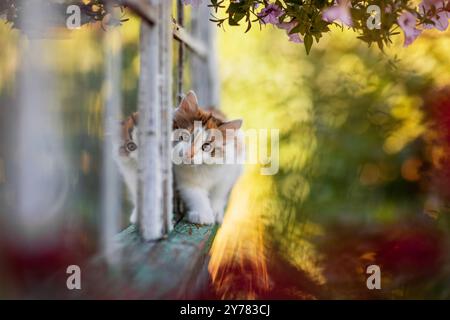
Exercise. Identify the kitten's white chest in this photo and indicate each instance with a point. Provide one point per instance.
(205, 176)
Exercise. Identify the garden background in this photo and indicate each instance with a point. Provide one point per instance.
(363, 173)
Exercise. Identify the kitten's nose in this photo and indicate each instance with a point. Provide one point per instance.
(193, 155)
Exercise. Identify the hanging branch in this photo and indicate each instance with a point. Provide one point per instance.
(375, 21)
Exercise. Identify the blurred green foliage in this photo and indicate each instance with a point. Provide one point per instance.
(349, 117)
(351, 123)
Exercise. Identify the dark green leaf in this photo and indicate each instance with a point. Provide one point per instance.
(308, 42)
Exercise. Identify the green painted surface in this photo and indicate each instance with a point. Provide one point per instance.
(168, 268)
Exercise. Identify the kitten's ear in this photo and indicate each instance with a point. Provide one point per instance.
(189, 102)
(192, 98)
(231, 125)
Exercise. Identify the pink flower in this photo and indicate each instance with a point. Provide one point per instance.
(194, 3)
(407, 21)
(340, 12)
(440, 19)
(270, 14)
(288, 26)
(295, 37)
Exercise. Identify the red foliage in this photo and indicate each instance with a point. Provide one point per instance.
(406, 252)
(28, 266)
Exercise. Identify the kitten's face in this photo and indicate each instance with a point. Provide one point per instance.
(200, 135)
(128, 147)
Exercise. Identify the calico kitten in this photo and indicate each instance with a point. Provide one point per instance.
(203, 186)
(126, 157)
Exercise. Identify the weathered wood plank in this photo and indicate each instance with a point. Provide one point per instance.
(196, 46)
(205, 77)
(149, 14)
(177, 203)
(165, 72)
(165, 269)
(180, 65)
(150, 216)
(143, 9)
(110, 176)
(36, 157)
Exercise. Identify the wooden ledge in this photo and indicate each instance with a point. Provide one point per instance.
(170, 268)
(173, 268)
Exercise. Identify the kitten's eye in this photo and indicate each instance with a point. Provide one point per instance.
(184, 136)
(131, 146)
(207, 147)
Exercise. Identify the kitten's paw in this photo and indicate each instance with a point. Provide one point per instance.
(218, 209)
(204, 218)
(219, 218)
(133, 217)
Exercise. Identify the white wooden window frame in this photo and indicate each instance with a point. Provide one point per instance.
(155, 105)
